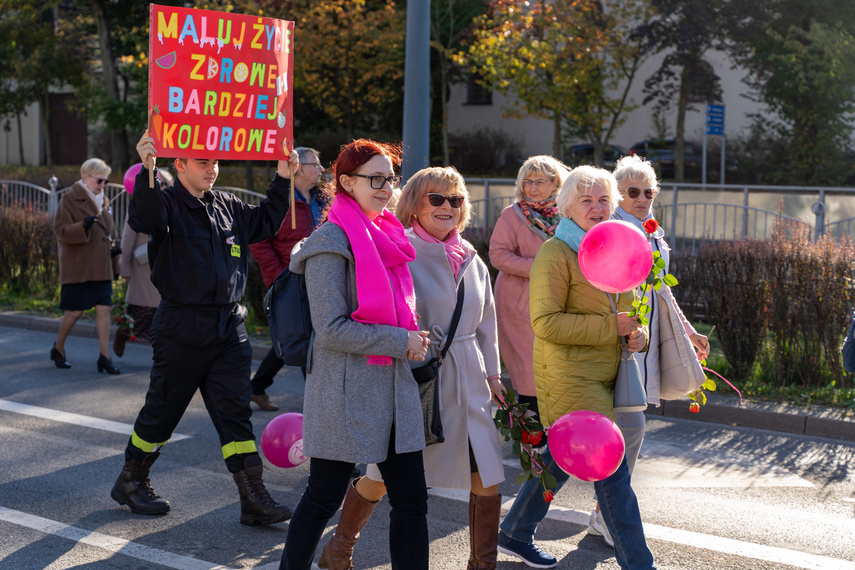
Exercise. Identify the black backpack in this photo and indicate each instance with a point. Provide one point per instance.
(289, 319)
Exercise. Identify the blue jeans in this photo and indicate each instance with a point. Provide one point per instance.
(404, 475)
(617, 503)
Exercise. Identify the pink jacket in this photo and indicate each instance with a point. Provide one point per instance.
(513, 247)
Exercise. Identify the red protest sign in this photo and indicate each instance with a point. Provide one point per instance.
(219, 84)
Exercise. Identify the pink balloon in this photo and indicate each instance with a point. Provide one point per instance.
(587, 445)
(282, 440)
(615, 256)
(130, 176)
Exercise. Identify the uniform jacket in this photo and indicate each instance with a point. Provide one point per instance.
(274, 254)
(465, 399)
(576, 346)
(349, 406)
(199, 249)
(141, 291)
(513, 247)
(84, 255)
(648, 362)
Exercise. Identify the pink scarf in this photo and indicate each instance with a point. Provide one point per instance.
(453, 246)
(378, 247)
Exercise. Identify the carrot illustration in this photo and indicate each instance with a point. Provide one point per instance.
(157, 121)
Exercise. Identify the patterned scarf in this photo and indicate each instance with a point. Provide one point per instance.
(541, 215)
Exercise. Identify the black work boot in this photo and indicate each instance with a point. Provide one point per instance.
(133, 488)
(256, 506)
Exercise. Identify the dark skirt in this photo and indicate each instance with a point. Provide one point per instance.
(84, 296)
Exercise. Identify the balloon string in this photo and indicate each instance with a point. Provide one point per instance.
(726, 380)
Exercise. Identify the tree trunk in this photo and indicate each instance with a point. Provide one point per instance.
(443, 81)
(679, 132)
(20, 139)
(249, 176)
(45, 120)
(120, 159)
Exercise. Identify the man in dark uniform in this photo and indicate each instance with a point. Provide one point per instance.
(198, 253)
(274, 254)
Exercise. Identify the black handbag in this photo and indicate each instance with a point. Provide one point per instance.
(115, 248)
(427, 377)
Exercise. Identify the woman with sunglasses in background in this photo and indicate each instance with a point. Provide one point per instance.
(361, 403)
(87, 261)
(520, 231)
(434, 205)
(638, 189)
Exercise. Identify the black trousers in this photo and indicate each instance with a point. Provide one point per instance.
(404, 476)
(205, 349)
(269, 367)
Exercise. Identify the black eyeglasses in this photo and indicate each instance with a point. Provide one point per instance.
(439, 200)
(634, 193)
(101, 180)
(378, 182)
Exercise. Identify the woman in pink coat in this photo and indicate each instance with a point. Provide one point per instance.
(519, 233)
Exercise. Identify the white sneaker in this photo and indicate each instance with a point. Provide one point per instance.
(597, 527)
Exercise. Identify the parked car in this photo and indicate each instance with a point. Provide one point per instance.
(661, 154)
(584, 154)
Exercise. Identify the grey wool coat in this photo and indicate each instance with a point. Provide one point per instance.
(465, 398)
(349, 406)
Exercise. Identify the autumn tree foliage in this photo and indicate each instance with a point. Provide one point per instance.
(348, 60)
(567, 60)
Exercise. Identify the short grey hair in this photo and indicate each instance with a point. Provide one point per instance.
(582, 178)
(96, 168)
(636, 169)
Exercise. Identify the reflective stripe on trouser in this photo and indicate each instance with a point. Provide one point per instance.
(237, 447)
(144, 445)
(201, 350)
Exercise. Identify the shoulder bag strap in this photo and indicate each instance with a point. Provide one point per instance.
(614, 311)
(458, 308)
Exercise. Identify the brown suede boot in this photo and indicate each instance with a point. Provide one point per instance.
(483, 531)
(133, 488)
(256, 505)
(355, 512)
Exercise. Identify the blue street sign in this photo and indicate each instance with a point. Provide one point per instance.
(715, 120)
(715, 109)
(715, 129)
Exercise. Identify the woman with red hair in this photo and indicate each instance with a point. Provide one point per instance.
(361, 403)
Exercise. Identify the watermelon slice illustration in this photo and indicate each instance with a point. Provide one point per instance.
(166, 61)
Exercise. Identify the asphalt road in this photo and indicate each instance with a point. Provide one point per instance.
(712, 496)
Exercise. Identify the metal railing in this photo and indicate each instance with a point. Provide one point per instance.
(690, 213)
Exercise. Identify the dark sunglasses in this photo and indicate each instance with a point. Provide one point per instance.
(438, 200)
(101, 180)
(634, 193)
(377, 182)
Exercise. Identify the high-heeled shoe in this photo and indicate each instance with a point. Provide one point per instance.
(106, 365)
(58, 358)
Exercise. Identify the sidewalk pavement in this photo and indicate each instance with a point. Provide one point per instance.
(815, 421)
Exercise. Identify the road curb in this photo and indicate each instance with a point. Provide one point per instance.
(817, 421)
(88, 329)
(820, 422)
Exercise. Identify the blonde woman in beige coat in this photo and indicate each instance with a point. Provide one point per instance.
(84, 228)
(434, 206)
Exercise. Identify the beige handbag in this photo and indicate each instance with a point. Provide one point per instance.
(680, 371)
